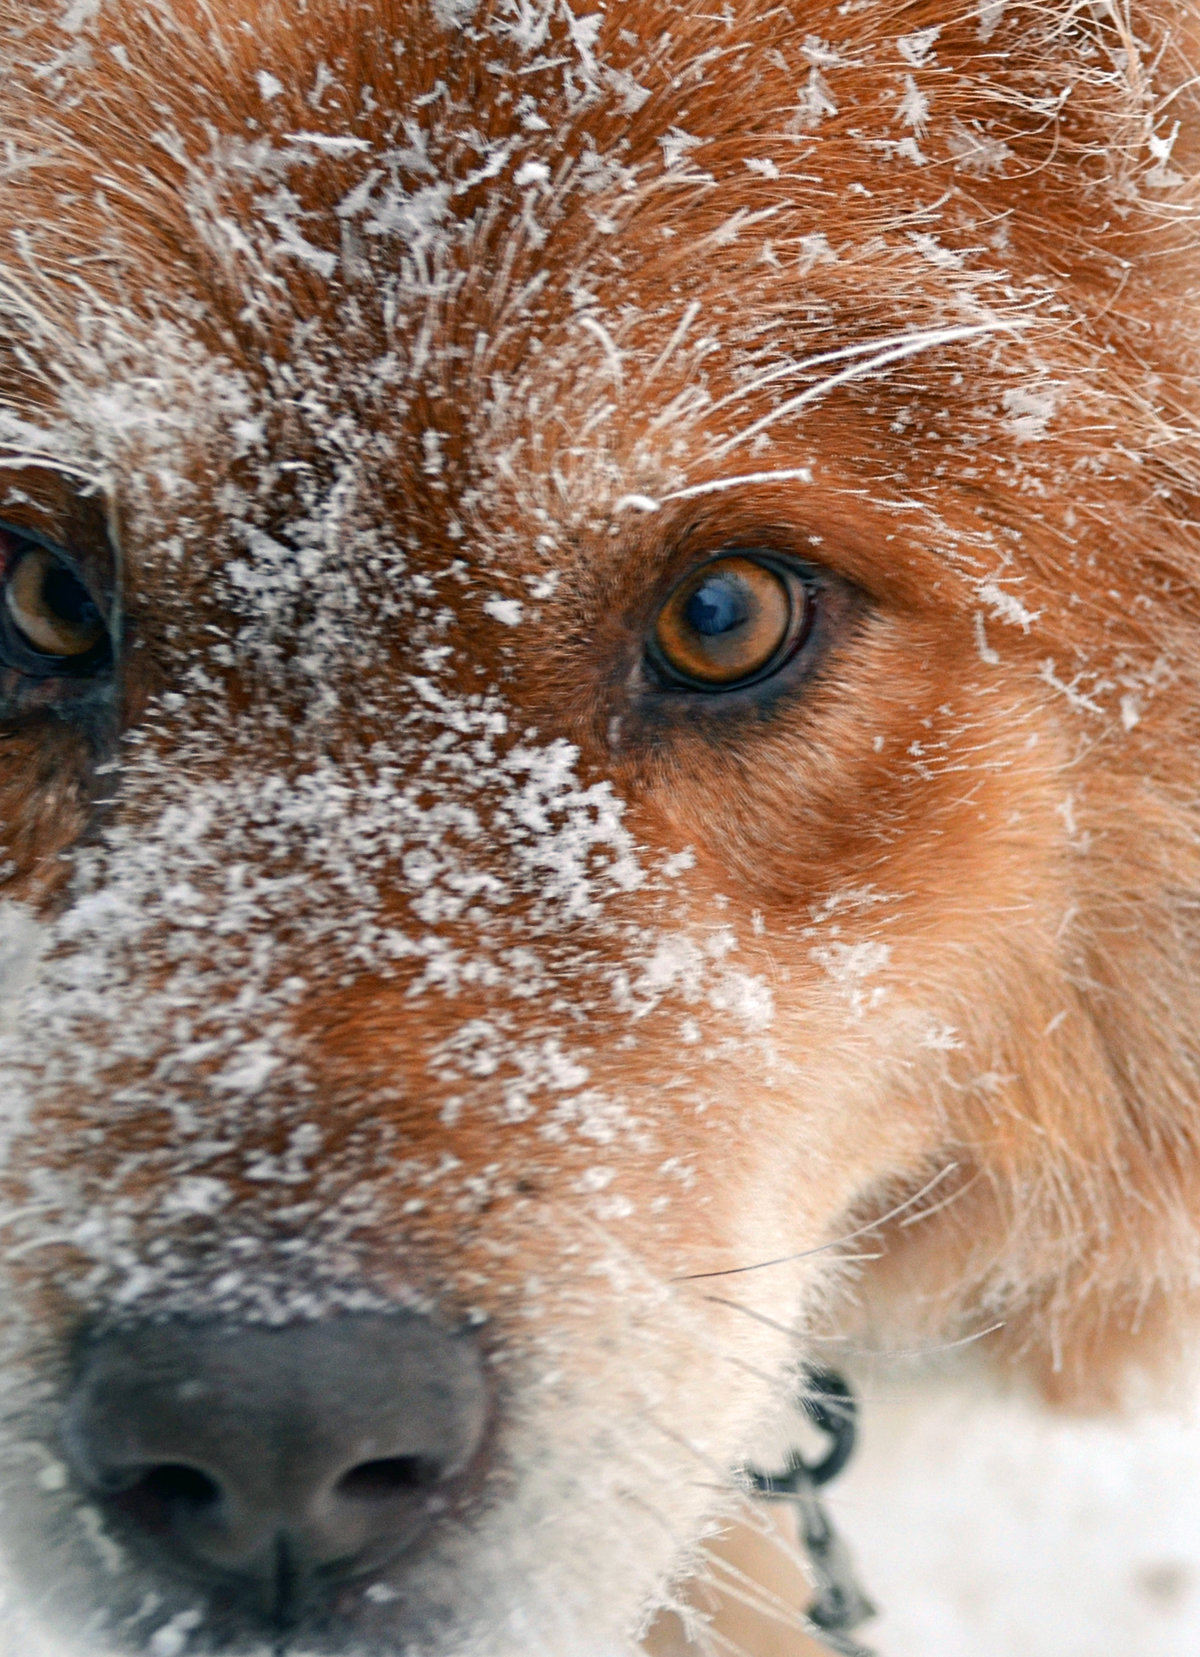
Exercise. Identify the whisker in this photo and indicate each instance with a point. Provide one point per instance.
(757, 1317)
(943, 1204)
(789, 474)
(719, 1582)
(805, 365)
(17, 460)
(940, 1346)
(715, 1641)
(896, 348)
(837, 1242)
(924, 1351)
(833, 1403)
(700, 1340)
(735, 1584)
(909, 347)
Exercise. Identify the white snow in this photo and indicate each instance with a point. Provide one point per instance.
(984, 1525)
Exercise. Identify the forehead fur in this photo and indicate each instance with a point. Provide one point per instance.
(488, 275)
(513, 200)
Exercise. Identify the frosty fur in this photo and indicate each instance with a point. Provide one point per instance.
(386, 941)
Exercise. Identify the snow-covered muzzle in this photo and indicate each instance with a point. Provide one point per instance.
(383, 1030)
(401, 1035)
(378, 1018)
(576, 733)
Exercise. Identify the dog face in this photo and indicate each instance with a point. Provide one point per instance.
(597, 675)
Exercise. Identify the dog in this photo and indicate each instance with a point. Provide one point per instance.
(599, 780)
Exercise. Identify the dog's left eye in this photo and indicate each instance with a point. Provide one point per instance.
(50, 623)
(735, 620)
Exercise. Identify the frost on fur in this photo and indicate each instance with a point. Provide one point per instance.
(388, 934)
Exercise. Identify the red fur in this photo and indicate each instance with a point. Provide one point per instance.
(963, 856)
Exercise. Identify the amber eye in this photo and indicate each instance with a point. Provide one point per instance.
(50, 609)
(731, 622)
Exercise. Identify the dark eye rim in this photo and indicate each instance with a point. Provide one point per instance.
(16, 652)
(801, 588)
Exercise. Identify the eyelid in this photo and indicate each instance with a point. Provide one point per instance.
(20, 534)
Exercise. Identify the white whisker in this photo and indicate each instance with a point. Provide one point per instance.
(864, 359)
(938, 1207)
(908, 347)
(792, 474)
(805, 365)
(837, 1242)
(940, 1346)
(736, 1585)
(924, 1351)
(19, 460)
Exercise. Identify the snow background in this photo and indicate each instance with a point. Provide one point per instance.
(985, 1526)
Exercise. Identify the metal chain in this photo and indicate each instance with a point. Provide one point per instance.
(839, 1605)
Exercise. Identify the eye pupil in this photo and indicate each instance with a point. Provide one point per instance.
(65, 596)
(719, 606)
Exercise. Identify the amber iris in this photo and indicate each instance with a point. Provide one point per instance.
(730, 621)
(50, 607)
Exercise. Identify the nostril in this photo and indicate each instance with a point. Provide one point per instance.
(390, 1478)
(175, 1484)
(167, 1498)
(167, 1482)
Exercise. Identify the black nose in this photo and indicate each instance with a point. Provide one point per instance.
(277, 1462)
